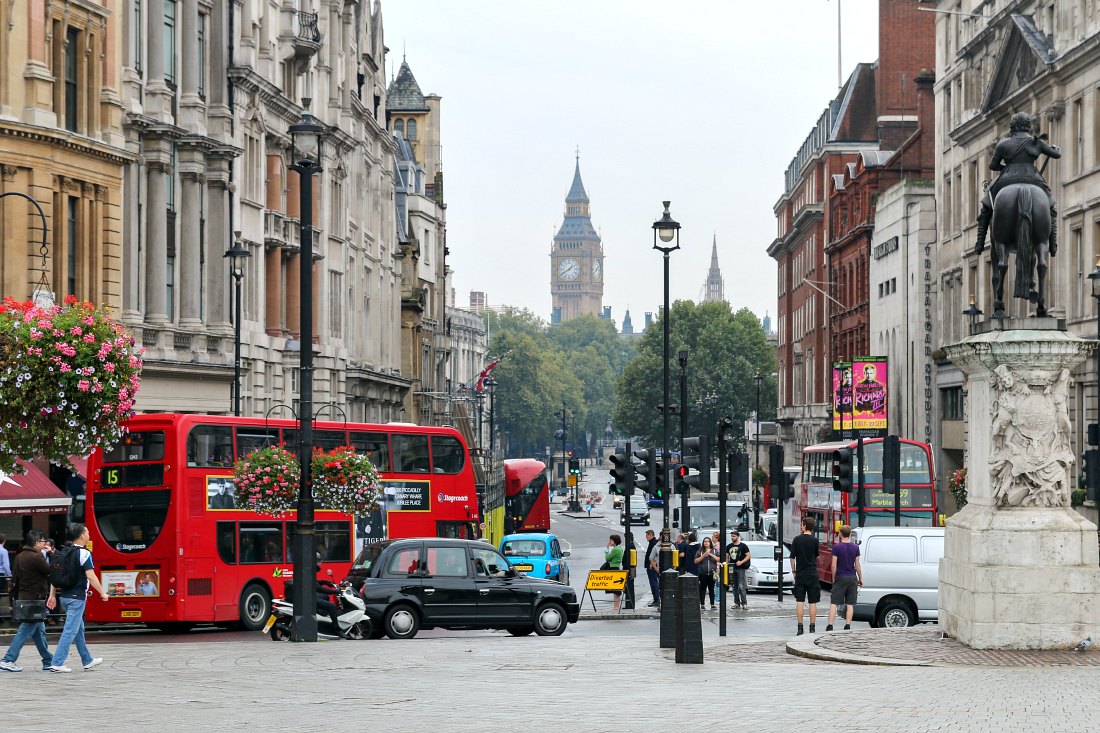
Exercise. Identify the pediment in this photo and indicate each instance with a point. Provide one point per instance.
(1024, 56)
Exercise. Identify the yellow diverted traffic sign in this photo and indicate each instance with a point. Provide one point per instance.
(606, 580)
(572, 479)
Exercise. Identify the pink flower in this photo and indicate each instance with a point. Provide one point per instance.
(82, 385)
(75, 331)
(89, 338)
(65, 367)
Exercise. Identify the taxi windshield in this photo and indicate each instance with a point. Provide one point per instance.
(524, 548)
(368, 556)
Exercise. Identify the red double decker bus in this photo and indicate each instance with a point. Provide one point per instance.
(830, 509)
(174, 549)
(527, 496)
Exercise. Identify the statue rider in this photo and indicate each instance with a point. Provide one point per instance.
(1015, 157)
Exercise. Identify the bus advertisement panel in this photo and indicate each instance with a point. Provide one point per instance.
(174, 546)
(859, 397)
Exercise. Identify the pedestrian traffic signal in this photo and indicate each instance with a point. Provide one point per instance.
(645, 480)
(842, 470)
(681, 472)
(660, 479)
(739, 472)
(1092, 474)
(622, 473)
(696, 454)
(782, 489)
(575, 466)
(891, 464)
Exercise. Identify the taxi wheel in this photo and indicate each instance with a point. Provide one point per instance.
(401, 622)
(550, 620)
(521, 631)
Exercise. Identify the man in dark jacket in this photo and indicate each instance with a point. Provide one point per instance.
(32, 583)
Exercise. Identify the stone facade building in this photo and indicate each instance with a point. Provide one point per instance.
(996, 58)
(209, 91)
(61, 143)
(576, 259)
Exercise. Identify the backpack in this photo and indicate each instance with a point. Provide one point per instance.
(65, 568)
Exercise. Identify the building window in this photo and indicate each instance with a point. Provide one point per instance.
(72, 66)
(336, 288)
(411, 127)
(137, 33)
(72, 233)
(952, 399)
(202, 55)
(399, 127)
(170, 42)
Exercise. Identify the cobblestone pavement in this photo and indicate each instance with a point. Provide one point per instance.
(924, 644)
(598, 676)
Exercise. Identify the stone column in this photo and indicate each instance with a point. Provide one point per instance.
(156, 244)
(190, 108)
(131, 236)
(155, 87)
(1020, 566)
(218, 238)
(293, 294)
(190, 289)
(273, 295)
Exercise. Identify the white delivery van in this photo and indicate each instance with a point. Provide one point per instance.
(900, 575)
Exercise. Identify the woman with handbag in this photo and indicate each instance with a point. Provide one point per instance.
(706, 567)
(613, 560)
(31, 595)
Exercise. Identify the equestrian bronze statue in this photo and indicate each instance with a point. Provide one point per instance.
(1020, 208)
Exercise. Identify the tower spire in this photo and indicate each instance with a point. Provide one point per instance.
(714, 289)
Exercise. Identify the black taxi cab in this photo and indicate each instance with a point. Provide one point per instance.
(423, 583)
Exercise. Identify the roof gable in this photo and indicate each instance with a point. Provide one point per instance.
(404, 94)
(1024, 56)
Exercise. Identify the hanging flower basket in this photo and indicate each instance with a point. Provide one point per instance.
(344, 481)
(68, 377)
(267, 480)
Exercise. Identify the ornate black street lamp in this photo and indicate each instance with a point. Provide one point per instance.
(666, 239)
(237, 254)
(757, 495)
(973, 311)
(306, 136)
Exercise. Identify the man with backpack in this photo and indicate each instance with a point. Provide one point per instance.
(32, 583)
(71, 572)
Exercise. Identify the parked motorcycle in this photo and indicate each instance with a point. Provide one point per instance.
(354, 622)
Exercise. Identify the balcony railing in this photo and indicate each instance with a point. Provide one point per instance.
(307, 27)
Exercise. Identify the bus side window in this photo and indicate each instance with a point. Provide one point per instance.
(210, 445)
(410, 453)
(251, 439)
(227, 542)
(374, 446)
(447, 454)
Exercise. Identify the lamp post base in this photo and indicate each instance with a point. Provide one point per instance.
(575, 506)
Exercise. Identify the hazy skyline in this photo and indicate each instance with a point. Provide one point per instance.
(702, 103)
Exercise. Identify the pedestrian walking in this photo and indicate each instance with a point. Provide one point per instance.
(613, 560)
(706, 567)
(739, 558)
(5, 565)
(681, 548)
(847, 577)
(690, 552)
(716, 542)
(47, 552)
(31, 582)
(73, 600)
(652, 566)
(807, 585)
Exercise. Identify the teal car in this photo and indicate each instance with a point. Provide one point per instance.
(537, 554)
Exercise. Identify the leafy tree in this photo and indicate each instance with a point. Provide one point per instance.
(725, 352)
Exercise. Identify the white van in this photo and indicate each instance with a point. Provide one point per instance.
(900, 575)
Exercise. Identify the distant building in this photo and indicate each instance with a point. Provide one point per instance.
(628, 327)
(478, 300)
(714, 289)
(576, 259)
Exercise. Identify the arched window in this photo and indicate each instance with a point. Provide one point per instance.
(412, 129)
(399, 126)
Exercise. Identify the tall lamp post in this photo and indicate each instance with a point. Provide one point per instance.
(666, 240)
(757, 496)
(1095, 277)
(491, 384)
(237, 254)
(682, 360)
(306, 136)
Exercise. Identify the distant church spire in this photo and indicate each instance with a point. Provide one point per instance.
(715, 288)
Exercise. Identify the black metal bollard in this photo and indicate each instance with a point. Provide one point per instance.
(689, 630)
(670, 609)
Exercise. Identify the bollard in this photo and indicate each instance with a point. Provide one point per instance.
(669, 609)
(689, 630)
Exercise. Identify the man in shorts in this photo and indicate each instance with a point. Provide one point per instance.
(807, 586)
(847, 577)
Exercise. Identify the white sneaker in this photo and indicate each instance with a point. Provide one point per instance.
(60, 668)
(93, 664)
(10, 667)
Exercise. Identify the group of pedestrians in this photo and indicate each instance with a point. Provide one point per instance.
(847, 576)
(704, 560)
(33, 582)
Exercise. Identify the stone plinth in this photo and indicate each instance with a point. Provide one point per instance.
(1020, 567)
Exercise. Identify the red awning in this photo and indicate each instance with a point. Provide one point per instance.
(31, 493)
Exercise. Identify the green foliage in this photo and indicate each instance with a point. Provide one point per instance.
(1077, 498)
(725, 351)
(759, 477)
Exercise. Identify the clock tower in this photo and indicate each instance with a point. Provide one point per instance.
(576, 259)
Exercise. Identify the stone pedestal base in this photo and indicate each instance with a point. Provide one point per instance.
(1020, 578)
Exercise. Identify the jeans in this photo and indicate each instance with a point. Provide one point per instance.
(73, 631)
(654, 584)
(740, 588)
(30, 630)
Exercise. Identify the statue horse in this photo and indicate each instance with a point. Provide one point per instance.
(1021, 223)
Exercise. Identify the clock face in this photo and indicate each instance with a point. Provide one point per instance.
(568, 269)
(597, 270)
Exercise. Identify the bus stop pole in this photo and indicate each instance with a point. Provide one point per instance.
(723, 495)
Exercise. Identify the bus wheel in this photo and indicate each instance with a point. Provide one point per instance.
(255, 607)
(401, 622)
(550, 620)
(896, 615)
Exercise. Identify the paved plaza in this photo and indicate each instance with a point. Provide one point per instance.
(607, 676)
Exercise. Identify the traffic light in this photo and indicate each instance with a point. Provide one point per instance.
(646, 479)
(781, 482)
(680, 471)
(1092, 473)
(891, 464)
(842, 470)
(739, 472)
(660, 479)
(575, 466)
(697, 455)
(623, 474)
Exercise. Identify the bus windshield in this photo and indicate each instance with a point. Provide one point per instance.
(706, 517)
(131, 520)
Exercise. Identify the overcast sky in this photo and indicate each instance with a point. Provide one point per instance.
(703, 102)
